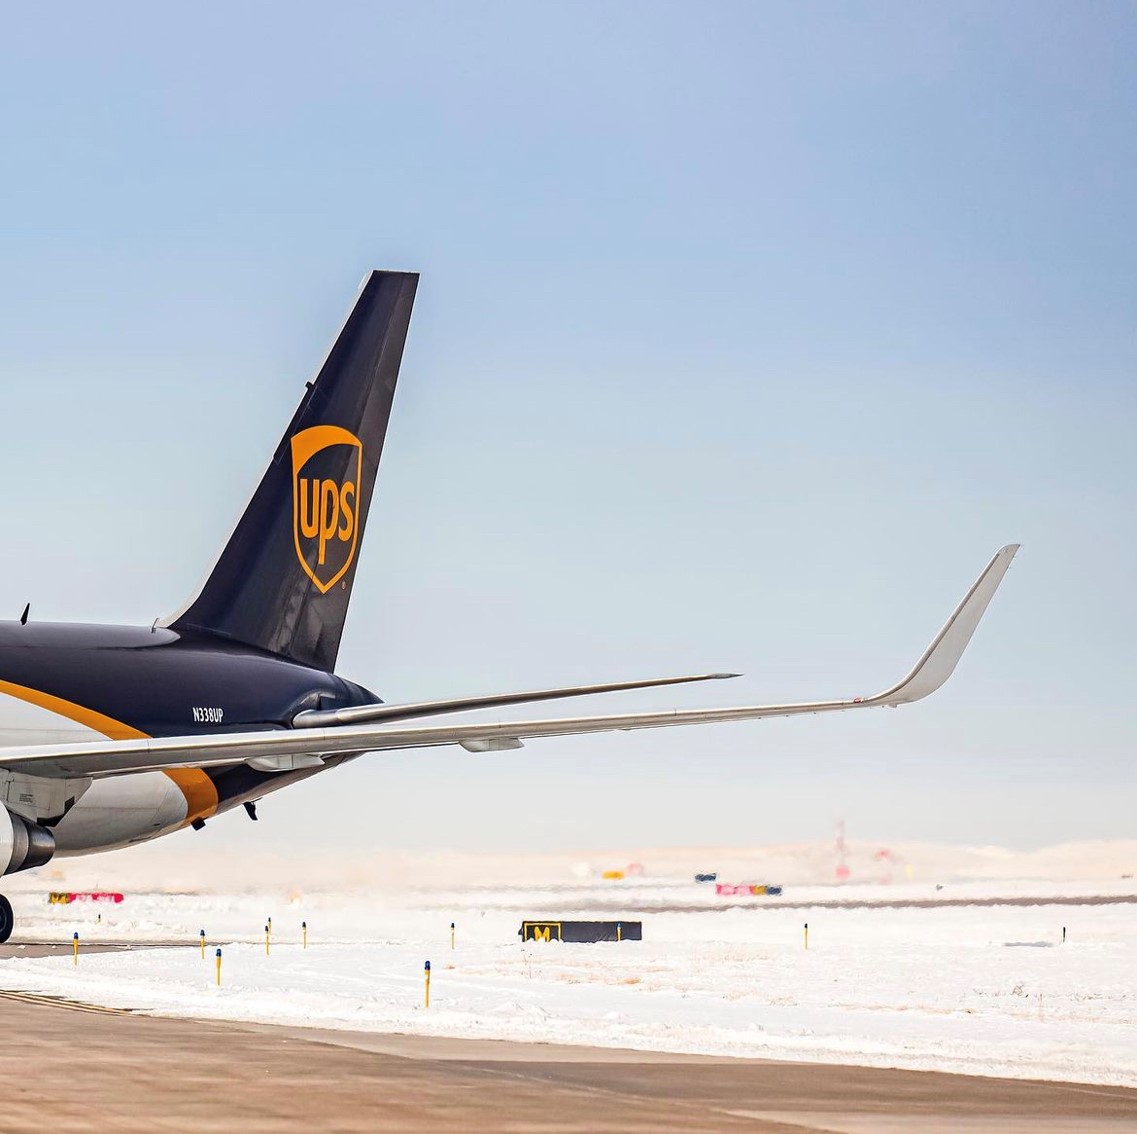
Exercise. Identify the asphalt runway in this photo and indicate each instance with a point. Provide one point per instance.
(69, 1067)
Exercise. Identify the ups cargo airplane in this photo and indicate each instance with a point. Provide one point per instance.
(113, 735)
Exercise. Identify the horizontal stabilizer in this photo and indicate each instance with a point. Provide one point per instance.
(362, 714)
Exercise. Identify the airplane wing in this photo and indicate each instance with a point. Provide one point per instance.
(274, 749)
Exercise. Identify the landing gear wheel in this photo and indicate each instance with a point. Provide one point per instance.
(7, 919)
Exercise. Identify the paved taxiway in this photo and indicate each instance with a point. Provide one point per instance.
(72, 1067)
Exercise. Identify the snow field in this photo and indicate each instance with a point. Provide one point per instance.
(978, 989)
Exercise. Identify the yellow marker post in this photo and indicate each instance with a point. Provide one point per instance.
(619, 931)
(426, 970)
(268, 933)
(304, 932)
(807, 934)
(201, 938)
(218, 964)
(75, 948)
(451, 935)
(268, 927)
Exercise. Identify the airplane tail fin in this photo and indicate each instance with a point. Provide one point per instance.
(283, 581)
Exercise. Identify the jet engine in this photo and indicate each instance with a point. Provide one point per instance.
(23, 844)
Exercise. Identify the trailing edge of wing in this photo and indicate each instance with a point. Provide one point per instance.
(109, 758)
(364, 714)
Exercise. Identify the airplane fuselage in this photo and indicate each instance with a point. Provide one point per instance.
(61, 683)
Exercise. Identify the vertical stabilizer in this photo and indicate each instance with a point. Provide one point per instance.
(283, 581)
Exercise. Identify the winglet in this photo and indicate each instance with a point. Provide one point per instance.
(940, 658)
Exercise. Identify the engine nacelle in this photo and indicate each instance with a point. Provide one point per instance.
(23, 844)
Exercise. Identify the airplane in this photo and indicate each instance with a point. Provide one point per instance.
(111, 735)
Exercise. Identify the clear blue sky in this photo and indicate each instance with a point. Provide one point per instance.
(746, 333)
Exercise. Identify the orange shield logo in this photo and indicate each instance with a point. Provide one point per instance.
(327, 467)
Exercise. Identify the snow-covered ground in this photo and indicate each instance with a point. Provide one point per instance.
(987, 989)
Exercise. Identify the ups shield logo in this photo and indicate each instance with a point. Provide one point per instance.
(327, 466)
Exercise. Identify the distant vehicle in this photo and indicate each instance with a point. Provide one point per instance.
(712, 877)
(63, 897)
(113, 735)
(746, 889)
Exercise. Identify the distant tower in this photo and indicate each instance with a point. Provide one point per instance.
(843, 871)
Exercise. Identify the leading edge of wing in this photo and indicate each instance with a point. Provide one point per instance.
(109, 758)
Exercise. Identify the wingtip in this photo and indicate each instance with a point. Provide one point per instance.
(1005, 555)
(939, 660)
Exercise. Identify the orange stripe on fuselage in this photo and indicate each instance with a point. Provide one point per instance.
(108, 726)
(199, 790)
